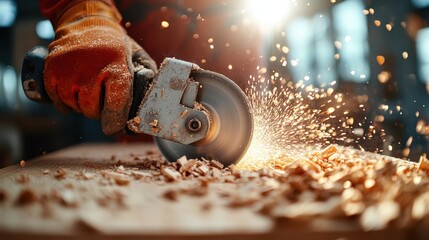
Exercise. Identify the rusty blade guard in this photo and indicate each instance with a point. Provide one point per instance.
(168, 108)
(196, 113)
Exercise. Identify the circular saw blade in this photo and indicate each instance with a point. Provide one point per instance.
(232, 122)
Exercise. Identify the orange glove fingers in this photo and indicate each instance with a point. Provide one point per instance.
(90, 64)
(117, 98)
(51, 83)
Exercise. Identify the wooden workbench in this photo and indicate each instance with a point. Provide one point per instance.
(69, 197)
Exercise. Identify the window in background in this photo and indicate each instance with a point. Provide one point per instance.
(45, 30)
(422, 47)
(2, 97)
(324, 52)
(300, 36)
(7, 13)
(351, 40)
(9, 83)
(311, 56)
(420, 3)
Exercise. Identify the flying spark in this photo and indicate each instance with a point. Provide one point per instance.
(286, 125)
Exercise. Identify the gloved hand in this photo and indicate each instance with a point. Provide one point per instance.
(91, 64)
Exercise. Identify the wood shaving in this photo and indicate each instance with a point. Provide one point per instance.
(170, 195)
(372, 191)
(60, 174)
(182, 161)
(170, 174)
(26, 196)
(68, 198)
(328, 151)
(341, 183)
(140, 174)
(216, 173)
(189, 166)
(206, 206)
(378, 216)
(216, 164)
(82, 175)
(424, 163)
(3, 195)
(22, 179)
(420, 207)
(202, 170)
(112, 199)
(118, 178)
(88, 175)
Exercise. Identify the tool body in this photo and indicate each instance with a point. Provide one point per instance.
(188, 110)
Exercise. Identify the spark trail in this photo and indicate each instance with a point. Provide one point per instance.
(286, 124)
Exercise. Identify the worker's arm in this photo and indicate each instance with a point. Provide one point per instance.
(90, 63)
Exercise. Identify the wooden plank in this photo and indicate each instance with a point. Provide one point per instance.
(109, 189)
(73, 204)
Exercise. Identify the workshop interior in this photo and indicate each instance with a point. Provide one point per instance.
(240, 119)
(374, 52)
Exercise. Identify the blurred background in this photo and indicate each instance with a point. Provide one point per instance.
(376, 52)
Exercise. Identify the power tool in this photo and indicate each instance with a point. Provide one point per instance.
(189, 111)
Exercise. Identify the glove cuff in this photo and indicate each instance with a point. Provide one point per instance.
(84, 9)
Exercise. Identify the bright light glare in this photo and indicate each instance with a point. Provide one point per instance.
(420, 3)
(10, 85)
(45, 30)
(269, 13)
(7, 13)
(422, 46)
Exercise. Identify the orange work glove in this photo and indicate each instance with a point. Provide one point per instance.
(91, 63)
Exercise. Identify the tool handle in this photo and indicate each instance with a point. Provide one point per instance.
(32, 75)
(34, 87)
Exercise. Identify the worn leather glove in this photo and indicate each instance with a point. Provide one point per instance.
(91, 64)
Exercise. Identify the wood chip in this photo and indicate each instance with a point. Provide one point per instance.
(182, 161)
(60, 174)
(137, 120)
(424, 163)
(22, 179)
(203, 170)
(420, 207)
(140, 174)
(3, 195)
(264, 172)
(216, 173)
(68, 198)
(378, 216)
(113, 198)
(216, 164)
(329, 151)
(118, 178)
(88, 175)
(170, 195)
(170, 174)
(334, 183)
(26, 196)
(121, 180)
(189, 166)
(206, 206)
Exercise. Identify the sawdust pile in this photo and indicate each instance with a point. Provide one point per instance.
(372, 191)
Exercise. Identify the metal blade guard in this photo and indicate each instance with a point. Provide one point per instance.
(169, 109)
